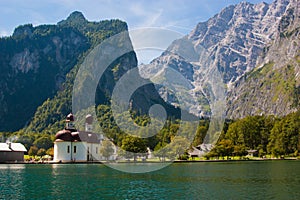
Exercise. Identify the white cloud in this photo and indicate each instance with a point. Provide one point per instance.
(178, 14)
(4, 33)
(148, 17)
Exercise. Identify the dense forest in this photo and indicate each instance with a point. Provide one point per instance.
(269, 135)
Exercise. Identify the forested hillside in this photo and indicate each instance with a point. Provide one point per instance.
(37, 62)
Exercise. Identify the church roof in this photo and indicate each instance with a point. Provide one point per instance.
(70, 117)
(79, 136)
(64, 135)
(72, 135)
(89, 137)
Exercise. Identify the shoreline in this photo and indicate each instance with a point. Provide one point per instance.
(140, 162)
(237, 160)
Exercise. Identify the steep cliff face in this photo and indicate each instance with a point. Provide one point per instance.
(254, 47)
(39, 66)
(34, 63)
(232, 42)
(33, 68)
(272, 87)
(236, 36)
(50, 115)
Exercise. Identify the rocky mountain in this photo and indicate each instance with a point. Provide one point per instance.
(43, 90)
(273, 87)
(35, 62)
(233, 43)
(252, 49)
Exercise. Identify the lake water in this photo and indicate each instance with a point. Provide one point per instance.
(228, 180)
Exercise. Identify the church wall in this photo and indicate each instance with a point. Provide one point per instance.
(61, 152)
(81, 151)
(94, 150)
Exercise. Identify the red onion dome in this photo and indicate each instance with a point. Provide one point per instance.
(64, 135)
(76, 136)
(70, 118)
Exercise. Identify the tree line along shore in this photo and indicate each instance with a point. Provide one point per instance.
(269, 137)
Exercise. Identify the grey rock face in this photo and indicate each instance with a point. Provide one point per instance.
(232, 42)
(272, 87)
(236, 36)
(25, 61)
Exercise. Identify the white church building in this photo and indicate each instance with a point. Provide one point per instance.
(71, 145)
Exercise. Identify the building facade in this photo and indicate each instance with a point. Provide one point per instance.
(78, 146)
(200, 150)
(12, 152)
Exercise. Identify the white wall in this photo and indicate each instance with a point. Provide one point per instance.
(60, 151)
(81, 151)
(94, 150)
(81, 154)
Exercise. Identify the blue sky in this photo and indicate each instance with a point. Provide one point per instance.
(180, 15)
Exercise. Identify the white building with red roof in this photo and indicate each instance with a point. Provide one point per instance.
(71, 145)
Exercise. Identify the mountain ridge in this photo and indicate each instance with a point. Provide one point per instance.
(36, 60)
(273, 87)
(239, 42)
(234, 42)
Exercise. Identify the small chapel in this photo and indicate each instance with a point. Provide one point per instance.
(72, 145)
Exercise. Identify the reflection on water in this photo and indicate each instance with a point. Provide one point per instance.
(138, 167)
(11, 180)
(14, 166)
(236, 180)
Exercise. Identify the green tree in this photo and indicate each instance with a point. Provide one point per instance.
(252, 132)
(239, 150)
(26, 139)
(261, 151)
(224, 148)
(200, 135)
(276, 144)
(106, 149)
(284, 137)
(44, 142)
(33, 151)
(161, 151)
(134, 145)
(125, 154)
(50, 151)
(211, 154)
(177, 147)
(41, 152)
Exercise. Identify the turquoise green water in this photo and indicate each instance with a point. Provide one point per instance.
(234, 180)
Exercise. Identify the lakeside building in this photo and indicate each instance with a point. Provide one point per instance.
(71, 145)
(200, 150)
(252, 153)
(12, 152)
